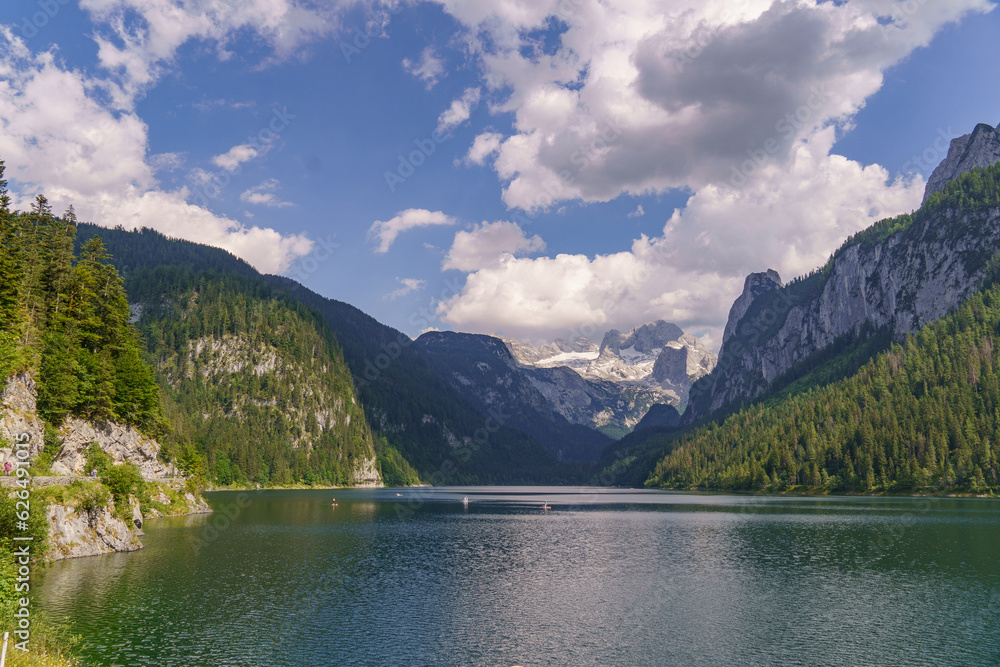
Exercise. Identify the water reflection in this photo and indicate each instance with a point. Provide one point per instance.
(606, 577)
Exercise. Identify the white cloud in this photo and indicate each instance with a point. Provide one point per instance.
(459, 111)
(692, 272)
(166, 161)
(385, 232)
(738, 102)
(429, 69)
(138, 39)
(637, 213)
(641, 96)
(263, 195)
(484, 146)
(235, 156)
(408, 285)
(60, 139)
(200, 176)
(487, 244)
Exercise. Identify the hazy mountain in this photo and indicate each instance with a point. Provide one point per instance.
(611, 386)
(483, 369)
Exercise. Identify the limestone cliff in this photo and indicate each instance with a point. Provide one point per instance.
(75, 532)
(611, 386)
(895, 278)
(981, 148)
(18, 416)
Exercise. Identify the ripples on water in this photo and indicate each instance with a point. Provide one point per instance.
(604, 578)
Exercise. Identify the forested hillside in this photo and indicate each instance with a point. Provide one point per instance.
(256, 381)
(65, 318)
(866, 414)
(923, 416)
(425, 420)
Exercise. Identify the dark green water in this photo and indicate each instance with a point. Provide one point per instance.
(603, 578)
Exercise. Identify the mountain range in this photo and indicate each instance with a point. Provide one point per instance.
(263, 380)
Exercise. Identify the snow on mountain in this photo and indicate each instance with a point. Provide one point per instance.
(622, 377)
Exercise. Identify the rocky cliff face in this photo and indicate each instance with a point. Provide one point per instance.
(900, 284)
(755, 285)
(981, 148)
(123, 443)
(75, 532)
(614, 384)
(18, 416)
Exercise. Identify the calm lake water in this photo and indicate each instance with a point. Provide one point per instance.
(605, 577)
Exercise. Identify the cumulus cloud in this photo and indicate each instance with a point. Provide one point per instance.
(235, 156)
(384, 233)
(408, 285)
(459, 111)
(138, 39)
(62, 137)
(428, 69)
(737, 102)
(263, 195)
(484, 146)
(693, 271)
(637, 213)
(487, 244)
(642, 97)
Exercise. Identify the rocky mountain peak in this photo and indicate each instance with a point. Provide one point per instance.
(754, 285)
(645, 338)
(980, 148)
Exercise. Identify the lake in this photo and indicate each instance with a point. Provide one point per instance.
(604, 577)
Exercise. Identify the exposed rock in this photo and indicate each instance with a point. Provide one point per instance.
(646, 338)
(197, 504)
(981, 148)
(755, 285)
(123, 443)
(595, 403)
(136, 512)
(616, 383)
(366, 475)
(560, 352)
(899, 285)
(74, 532)
(18, 416)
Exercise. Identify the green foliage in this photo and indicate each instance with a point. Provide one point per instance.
(253, 382)
(91, 498)
(67, 318)
(921, 416)
(397, 394)
(395, 469)
(122, 480)
(96, 459)
(48, 642)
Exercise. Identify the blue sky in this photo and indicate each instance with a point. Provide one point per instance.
(541, 169)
